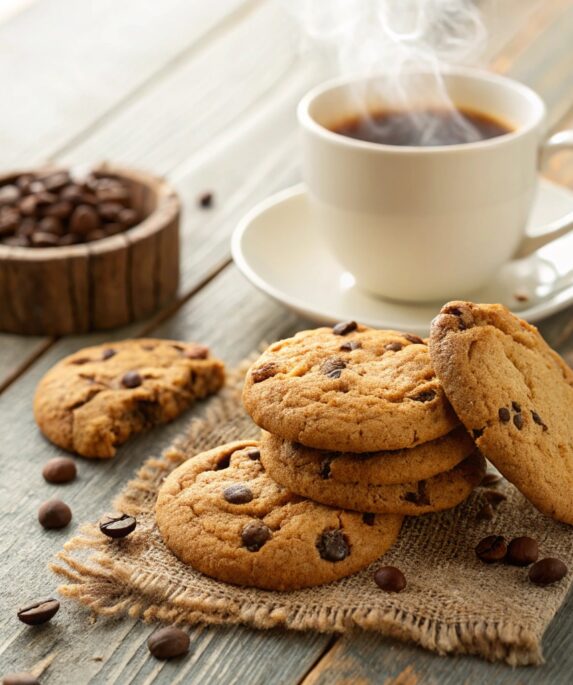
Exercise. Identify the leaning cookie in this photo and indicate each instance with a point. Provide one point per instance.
(95, 399)
(514, 394)
(349, 388)
(370, 468)
(443, 491)
(222, 514)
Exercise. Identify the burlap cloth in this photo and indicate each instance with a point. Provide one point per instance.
(453, 603)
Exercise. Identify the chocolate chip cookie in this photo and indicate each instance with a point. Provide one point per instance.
(442, 491)
(349, 388)
(96, 398)
(222, 514)
(369, 468)
(514, 394)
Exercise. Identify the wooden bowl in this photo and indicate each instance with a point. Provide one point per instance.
(103, 284)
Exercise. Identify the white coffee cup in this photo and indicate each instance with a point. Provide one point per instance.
(427, 223)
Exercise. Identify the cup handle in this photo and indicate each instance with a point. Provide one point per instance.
(563, 140)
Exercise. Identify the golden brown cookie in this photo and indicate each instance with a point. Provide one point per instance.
(514, 394)
(370, 468)
(349, 389)
(442, 491)
(96, 398)
(222, 514)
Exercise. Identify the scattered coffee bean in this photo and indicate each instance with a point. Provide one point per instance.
(20, 679)
(494, 497)
(117, 525)
(547, 571)
(332, 545)
(486, 513)
(369, 518)
(516, 407)
(490, 479)
(131, 379)
(333, 367)
(197, 352)
(491, 549)
(390, 579)
(504, 414)
(344, 327)
(108, 354)
(54, 514)
(393, 347)
(522, 551)
(350, 345)
(238, 493)
(263, 372)
(254, 535)
(39, 612)
(167, 643)
(205, 200)
(518, 421)
(60, 470)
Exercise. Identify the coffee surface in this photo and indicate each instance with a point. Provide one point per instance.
(422, 128)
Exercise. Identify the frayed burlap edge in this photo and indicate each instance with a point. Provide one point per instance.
(110, 587)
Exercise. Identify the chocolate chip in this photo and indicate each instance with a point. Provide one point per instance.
(196, 352)
(205, 200)
(350, 345)
(547, 571)
(60, 470)
(516, 406)
(54, 514)
(504, 414)
(223, 463)
(538, 420)
(254, 454)
(20, 679)
(490, 479)
(424, 396)
(522, 551)
(369, 518)
(494, 497)
(420, 497)
(491, 549)
(393, 347)
(238, 493)
(333, 367)
(332, 545)
(518, 421)
(486, 513)
(117, 525)
(452, 310)
(414, 339)
(263, 372)
(390, 579)
(325, 469)
(477, 433)
(131, 379)
(344, 327)
(39, 612)
(254, 535)
(168, 643)
(108, 353)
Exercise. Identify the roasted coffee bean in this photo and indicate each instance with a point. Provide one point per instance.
(43, 239)
(116, 525)
(196, 352)
(263, 372)
(414, 339)
(95, 235)
(504, 414)
(16, 241)
(9, 220)
(54, 514)
(350, 345)
(393, 347)
(128, 217)
(56, 181)
(490, 479)
(167, 643)
(39, 612)
(60, 470)
(491, 549)
(494, 497)
(84, 220)
(547, 571)
(254, 454)
(113, 229)
(131, 379)
(26, 227)
(113, 193)
(522, 551)
(72, 193)
(205, 200)
(23, 182)
(390, 579)
(28, 205)
(518, 421)
(59, 210)
(49, 224)
(333, 367)
(332, 545)
(516, 407)
(108, 353)
(254, 535)
(238, 493)
(344, 327)
(20, 679)
(424, 396)
(109, 211)
(486, 513)
(9, 194)
(69, 239)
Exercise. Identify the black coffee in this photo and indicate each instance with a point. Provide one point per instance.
(422, 128)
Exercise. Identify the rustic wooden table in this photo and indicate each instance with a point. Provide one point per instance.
(205, 94)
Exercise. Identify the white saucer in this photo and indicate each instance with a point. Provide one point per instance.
(276, 247)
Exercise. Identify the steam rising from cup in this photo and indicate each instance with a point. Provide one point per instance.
(410, 42)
